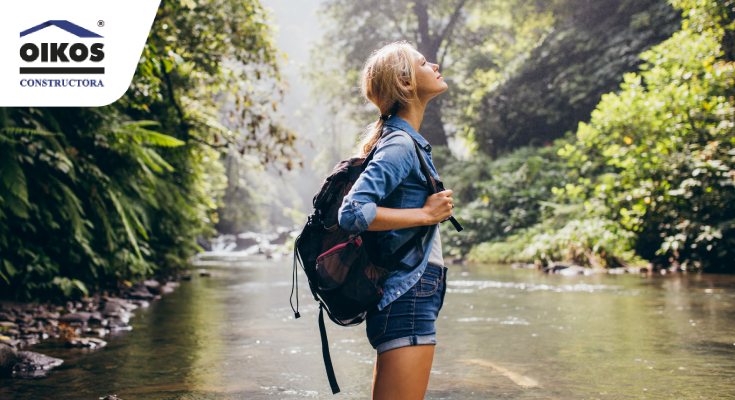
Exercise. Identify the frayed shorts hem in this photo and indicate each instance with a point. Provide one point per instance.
(413, 340)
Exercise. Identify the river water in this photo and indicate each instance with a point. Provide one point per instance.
(502, 333)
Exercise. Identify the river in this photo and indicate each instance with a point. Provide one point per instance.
(502, 333)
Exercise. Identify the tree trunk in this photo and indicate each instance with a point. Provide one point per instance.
(432, 128)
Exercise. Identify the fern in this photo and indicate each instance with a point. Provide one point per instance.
(25, 131)
(12, 176)
(134, 211)
(73, 207)
(156, 158)
(136, 131)
(159, 139)
(101, 211)
(128, 230)
(5, 139)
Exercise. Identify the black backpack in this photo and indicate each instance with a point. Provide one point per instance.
(344, 273)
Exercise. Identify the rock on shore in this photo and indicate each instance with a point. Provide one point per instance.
(35, 365)
(74, 325)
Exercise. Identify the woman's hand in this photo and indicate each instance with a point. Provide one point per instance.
(438, 207)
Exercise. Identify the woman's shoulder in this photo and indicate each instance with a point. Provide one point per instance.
(397, 138)
(396, 148)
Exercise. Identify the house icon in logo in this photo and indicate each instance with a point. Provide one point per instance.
(72, 28)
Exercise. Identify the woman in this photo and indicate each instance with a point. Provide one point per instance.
(391, 197)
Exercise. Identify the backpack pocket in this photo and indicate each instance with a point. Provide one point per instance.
(349, 284)
(333, 266)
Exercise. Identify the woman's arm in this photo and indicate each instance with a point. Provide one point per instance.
(437, 208)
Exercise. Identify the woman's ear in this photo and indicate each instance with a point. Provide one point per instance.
(405, 84)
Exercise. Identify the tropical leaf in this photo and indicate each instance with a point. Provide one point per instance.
(9, 268)
(128, 230)
(158, 160)
(12, 175)
(25, 131)
(81, 286)
(101, 211)
(5, 139)
(136, 212)
(73, 207)
(137, 131)
(159, 139)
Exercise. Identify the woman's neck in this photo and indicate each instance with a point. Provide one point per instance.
(413, 114)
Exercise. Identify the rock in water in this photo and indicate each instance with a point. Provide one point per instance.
(8, 358)
(34, 365)
(90, 343)
(79, 317)
(572, 270)
(153, 286)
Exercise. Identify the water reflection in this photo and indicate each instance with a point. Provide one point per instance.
(502, 333)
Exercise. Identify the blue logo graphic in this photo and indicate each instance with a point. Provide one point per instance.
(72, 28)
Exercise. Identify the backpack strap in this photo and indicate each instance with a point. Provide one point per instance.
(432, 184)
(325, 352)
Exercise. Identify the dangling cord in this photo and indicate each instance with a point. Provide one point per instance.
(295, 281)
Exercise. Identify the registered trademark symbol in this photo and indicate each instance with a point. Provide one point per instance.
(100, 23)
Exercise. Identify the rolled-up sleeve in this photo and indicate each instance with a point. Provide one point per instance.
(390, 166)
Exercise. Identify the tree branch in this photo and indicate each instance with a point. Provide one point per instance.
(447, 32)
(392, 17)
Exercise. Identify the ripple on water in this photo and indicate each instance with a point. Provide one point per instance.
(462, 286)
(507, 321)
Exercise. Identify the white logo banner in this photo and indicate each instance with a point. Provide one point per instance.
(70, 53)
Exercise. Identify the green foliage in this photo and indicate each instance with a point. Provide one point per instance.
(651, 176)
(668, 139)
(598, 242)
(496, 198)
(546, 93)
(92, 196)
(94, 183)
(209, 72)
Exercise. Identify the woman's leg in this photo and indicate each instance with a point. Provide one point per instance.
(403, 373)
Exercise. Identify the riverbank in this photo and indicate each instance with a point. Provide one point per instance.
(75, 324)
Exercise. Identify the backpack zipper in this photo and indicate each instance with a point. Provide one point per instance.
(357, 241)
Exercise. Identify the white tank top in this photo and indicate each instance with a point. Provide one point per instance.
(435, 257)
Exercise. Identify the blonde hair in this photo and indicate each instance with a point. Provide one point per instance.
(383, 80)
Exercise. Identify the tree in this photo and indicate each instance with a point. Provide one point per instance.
(592, 44)
(667, 142)
(359, 27)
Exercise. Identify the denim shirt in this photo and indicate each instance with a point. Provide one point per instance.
(393, 179)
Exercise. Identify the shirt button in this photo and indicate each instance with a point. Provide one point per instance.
(398, 292)
(427, 147)
(419, 275)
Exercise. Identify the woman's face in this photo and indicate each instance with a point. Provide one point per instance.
(429, 82)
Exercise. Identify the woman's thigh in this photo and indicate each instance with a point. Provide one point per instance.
(403, 373)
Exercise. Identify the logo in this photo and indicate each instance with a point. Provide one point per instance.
(80, 53)
(62, 52)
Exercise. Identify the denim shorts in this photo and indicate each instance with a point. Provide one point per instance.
(409, 320)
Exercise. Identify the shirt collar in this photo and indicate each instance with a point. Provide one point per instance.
(400, 123)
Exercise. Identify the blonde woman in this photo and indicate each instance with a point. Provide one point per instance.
(391, 197)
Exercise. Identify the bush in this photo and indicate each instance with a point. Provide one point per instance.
(496, 198)
(669, 136)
